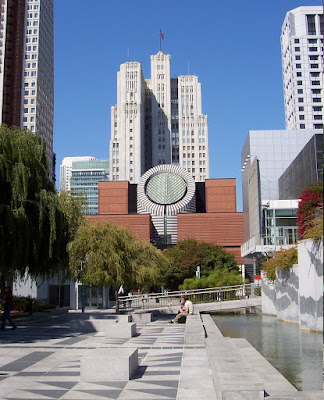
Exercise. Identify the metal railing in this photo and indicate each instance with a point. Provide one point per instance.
(197, 296)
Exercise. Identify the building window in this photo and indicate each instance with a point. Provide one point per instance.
(316, 91)
(298, 65)
(318, 126)
(314, 58)
(316, 100)
(299, 83)
(317, 108)
(301, 109)
(312, 41)
(299, 74)
(302, 126)
(300, 100)
(311, 28)
(296, 40)
(316, 83)
(300, 91)
(312, 48)
(318, 117)
(297, 57)
(297, 48)
(302, 117)
(314, 65)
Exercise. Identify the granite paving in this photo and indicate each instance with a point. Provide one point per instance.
(41, 360)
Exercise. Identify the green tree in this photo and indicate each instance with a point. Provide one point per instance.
(188, 254)
(33, 226)
(104, 254)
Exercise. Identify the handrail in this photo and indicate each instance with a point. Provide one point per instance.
(207, 295)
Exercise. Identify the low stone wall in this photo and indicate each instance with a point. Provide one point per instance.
(297, 294)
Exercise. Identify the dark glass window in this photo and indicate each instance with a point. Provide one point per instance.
(311, 28)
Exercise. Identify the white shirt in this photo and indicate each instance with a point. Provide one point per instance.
(188, 304)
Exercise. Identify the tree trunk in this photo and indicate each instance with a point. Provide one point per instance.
(117, 301)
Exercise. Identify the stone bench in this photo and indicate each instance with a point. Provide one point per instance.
(109, 326)
(120, 331)
(99, 315)
(194, 330)
(142, 318)
(233, 376)
(109, 364)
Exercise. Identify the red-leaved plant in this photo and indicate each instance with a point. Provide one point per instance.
(311, 200)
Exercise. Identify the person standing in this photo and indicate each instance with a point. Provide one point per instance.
(8, 305)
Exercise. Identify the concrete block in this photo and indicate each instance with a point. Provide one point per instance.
(96, 325)
(120, 331)
(142, 318)
(109, 364)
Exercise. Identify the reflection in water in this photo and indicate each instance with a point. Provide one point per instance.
(296, 354)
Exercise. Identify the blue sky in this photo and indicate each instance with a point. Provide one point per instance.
(233, 46)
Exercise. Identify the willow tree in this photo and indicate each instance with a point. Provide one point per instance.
(104, 254)
(34, 229)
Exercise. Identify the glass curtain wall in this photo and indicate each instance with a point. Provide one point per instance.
(280, 227)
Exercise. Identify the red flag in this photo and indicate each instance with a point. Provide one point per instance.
(161, 35)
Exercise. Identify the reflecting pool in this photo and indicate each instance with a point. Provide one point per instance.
(296, 354)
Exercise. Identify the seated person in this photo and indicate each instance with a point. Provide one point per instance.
(186, 308)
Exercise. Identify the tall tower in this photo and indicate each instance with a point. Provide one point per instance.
(127, 157)
(12, 42)
(38, 94)
(302, 66)
(27, 68)
(157, 121)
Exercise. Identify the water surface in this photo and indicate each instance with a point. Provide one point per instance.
(296, 354)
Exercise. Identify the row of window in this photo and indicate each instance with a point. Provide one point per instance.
(310, 41)
(316, 117)
(309, 48)
(315, 126)
(317, 108)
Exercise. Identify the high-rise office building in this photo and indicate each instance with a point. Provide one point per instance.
(302, 67)
(12, 38)
(66, 170)
(85, 176)
(157, 121)
(27, 68)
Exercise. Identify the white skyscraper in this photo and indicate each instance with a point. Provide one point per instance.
(157, 121)
(302, 67)
(66, 170)
(38, 75)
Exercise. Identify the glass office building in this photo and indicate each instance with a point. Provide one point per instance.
(84, 181)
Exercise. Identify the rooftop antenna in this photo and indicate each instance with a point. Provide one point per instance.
(161, 38)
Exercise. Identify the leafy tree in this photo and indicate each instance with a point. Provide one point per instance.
(311, 201)
(34, 229)
(104, 254)
(188, 254)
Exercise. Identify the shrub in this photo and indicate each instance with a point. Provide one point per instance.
(284, 258)
(311, 201)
